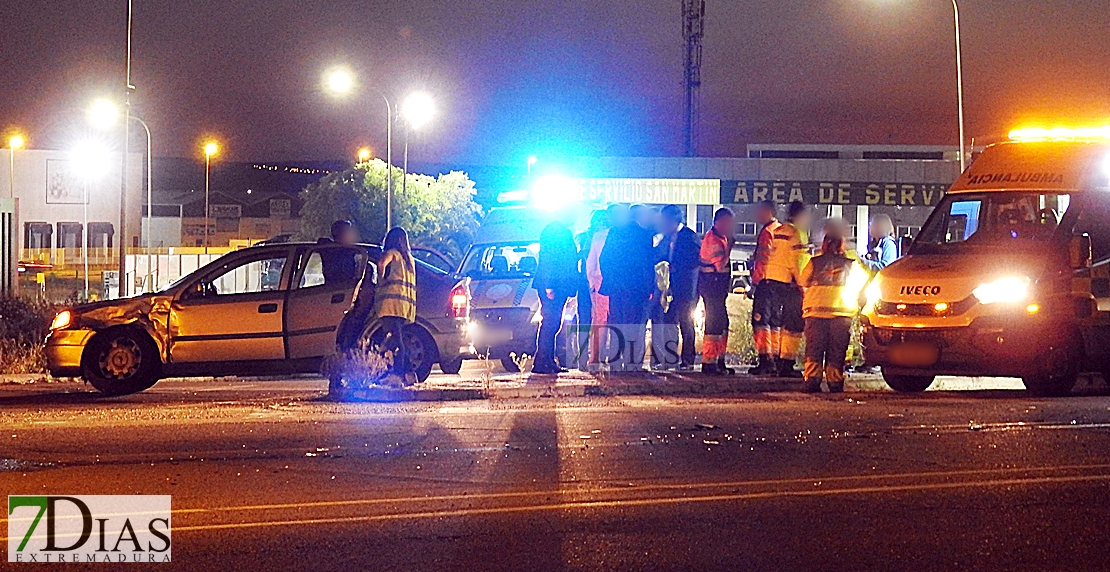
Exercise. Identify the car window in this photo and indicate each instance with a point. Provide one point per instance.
(331, 267)
(1094, 220)
(249, 277)
(502, 260)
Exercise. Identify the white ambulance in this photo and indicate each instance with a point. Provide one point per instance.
(1010, 275)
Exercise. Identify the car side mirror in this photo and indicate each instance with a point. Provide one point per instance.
(198, 290)
(1079, 251)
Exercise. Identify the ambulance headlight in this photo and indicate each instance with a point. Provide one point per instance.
(873, 293)
(1011, 289)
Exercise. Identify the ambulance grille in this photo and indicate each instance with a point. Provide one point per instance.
(884, 308)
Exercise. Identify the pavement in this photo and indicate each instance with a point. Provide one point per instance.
(271, 475)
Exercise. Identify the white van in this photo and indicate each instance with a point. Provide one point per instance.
(1010, 275)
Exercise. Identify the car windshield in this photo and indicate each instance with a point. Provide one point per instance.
(501, 260)
(992, 220)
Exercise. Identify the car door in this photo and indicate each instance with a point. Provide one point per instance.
(323, 288)
(233, 311)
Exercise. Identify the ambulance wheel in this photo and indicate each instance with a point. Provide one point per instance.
(120, 361)
(510, 365)
(1057, 373)
(908, 383)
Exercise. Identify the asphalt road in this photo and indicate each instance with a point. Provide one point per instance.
(269, 476)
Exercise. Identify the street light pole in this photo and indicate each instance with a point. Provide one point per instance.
(149, 196)
(126, 150)
(16, 142)
(388, 163)
(85, 237)
(959, 84)
(207, 167)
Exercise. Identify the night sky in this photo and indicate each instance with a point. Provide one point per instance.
(551, 77)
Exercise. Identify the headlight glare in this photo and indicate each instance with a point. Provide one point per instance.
(1012, 289)
(873, 293)
(62, 320)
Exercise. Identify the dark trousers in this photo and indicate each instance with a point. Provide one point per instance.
(627, 315)
(551, 320)
(827, 342)
(713, 288)
(672, 335)
(394, 343)
(581, 339)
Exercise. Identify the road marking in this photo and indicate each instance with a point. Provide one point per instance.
(641, 502)
(642, 488)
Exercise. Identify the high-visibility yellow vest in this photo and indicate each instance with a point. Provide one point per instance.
(789, 254)
(396, 294)
(832, 285)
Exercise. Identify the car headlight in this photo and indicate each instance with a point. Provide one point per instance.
(873, 293)
(1012, 289)
(62, 320)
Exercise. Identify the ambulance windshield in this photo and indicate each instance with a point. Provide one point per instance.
(998, 219)
(504, 260)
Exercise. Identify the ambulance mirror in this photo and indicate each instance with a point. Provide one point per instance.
(1079, 251)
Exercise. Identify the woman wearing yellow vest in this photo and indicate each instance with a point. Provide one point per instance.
(395, 299)
(832, 283)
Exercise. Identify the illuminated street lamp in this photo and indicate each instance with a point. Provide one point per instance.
(210, 150)
(14, 144)
(104, 114)
(340, 81)
(417, 110)
(364, 155)
(89, 160)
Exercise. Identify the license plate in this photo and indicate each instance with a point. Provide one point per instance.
(914, 354)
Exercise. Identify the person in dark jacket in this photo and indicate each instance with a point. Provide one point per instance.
(340, 265)
(680, 248)
(556, 280)
(627, 264)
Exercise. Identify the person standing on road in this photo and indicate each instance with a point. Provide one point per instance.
(714, 282)
(627, 264)
(883, 248)
(556, 280)
(395, 298)
(766, 319)
(832, 283)
(599, 222)
(617, 215)
(789, 255)
(681, 250)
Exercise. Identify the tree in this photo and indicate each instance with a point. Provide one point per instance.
(438, 212)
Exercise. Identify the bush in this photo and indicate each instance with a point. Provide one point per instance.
(24, 325)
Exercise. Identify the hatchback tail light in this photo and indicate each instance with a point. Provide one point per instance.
(460, 301)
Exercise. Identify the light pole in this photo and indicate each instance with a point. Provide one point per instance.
(417, 110)
(15, 143)
(959, 83)
(339, 81)
(531, 161)
(103, 115)
(210, 149)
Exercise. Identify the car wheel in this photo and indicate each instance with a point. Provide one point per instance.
(1057, 375)
(120, 361)
(421, 349)
(908, 383)
(452, 367)
(510, 365)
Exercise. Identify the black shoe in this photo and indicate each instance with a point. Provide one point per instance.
(766, 366)
(786, 369)
(836, 387)
(549, 370)
(709, 369)
(721, 367)
(812, 386)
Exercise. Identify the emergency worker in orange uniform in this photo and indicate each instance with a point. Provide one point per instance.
(714, 282)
